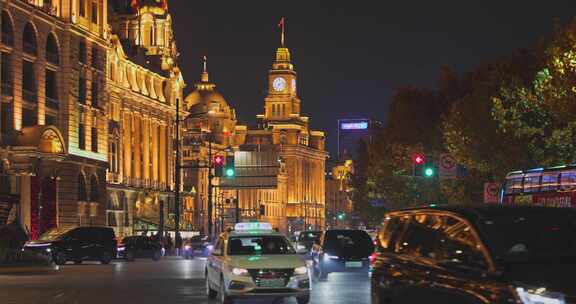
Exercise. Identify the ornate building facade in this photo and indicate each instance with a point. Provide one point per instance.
(144, 86)
(53, 115)
(297, 200)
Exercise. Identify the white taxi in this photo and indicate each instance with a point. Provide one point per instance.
(253, 260)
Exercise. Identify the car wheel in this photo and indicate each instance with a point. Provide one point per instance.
(157, 255)
(105, 258)
(222, 296)
(211, 293)
(60, 258)
(303, 299)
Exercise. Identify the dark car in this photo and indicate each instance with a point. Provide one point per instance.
(342, 251)
(488, 254)
(307, 239)
(198, 245)
(133, 247)
(76, 244)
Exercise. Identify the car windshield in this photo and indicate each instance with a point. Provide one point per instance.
(54, 233)
(309, 236)
(531, 237)
(347, 242)
(248, 245)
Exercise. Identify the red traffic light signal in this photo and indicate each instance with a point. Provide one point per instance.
(218, 160)
(419, 159)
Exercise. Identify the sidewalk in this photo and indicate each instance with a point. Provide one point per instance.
(7, 269)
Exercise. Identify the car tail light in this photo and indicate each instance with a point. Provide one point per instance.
(373, 257)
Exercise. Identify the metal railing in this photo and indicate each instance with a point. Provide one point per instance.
(48, 8)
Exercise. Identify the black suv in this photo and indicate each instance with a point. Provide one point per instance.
(306, 239)
(485, 254)
(76, 244)
(341, 251)
(138, 246)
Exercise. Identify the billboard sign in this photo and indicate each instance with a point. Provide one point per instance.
(354, 125)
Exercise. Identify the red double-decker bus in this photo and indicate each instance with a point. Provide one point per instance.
(550, 187)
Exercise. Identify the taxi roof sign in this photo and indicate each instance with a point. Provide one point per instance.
(251, 226)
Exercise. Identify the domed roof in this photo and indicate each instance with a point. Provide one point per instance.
(200, 96)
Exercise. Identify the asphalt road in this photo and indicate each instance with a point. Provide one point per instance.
(171, 280)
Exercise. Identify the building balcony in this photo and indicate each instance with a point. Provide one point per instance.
(30, 96)
(48, 8)
(7, 89)
(52, 103)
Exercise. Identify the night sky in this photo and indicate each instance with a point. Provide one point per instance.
(350, 59)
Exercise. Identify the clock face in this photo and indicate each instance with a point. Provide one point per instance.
(293, 85)
(279, 84)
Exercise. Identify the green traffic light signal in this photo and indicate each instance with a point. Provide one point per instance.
(230, 172)
(341, 216)
(429, 172)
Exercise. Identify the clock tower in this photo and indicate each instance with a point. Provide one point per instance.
(282, 103)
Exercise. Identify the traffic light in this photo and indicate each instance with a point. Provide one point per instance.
(230, 168)
(418, 161)
(218, 163)
(429, 168)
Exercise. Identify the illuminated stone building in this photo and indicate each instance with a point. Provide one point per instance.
(143, 87)
(296, 200)
(339, 205)
(283, 128)
(53, 120)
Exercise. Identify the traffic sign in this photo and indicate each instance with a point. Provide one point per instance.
(447, 166)
(491, 193)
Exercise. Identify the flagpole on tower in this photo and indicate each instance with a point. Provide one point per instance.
(281, 25)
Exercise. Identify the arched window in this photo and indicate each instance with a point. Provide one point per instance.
(29, 39)
(82, 197)
(94, 195)
(7, 29)
(52, 49)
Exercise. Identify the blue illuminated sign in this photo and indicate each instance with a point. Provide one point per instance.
(357, 125)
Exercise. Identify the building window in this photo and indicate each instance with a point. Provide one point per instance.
(94, 139)
(29, 117)
(6, 118)
(29, 40)
(82, 8)
(6, 74)
(52, 50)
(113, 155)
(82, 90)
(81, 135)
(94, 93)
(95, 62)
(7, 32)
(51, 120)
(29, 82)
(95, 12)
(51, 90)
(82, 51)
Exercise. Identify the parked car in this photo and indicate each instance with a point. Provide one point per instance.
(133, 247)
(342, 251)
(488, 254)
(198, 245)
(76, 244)
(306, 239)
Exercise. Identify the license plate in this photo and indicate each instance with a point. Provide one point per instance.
(353, 264)
(272, 283)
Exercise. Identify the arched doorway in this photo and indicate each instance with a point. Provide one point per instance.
(44, 207)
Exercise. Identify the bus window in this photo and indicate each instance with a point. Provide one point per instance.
(568, 180)
(532, 182)
(514, 184)
(550, 182)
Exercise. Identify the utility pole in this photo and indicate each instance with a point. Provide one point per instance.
(177, 173)
(210, 176)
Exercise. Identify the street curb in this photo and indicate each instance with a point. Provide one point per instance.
(8, 270)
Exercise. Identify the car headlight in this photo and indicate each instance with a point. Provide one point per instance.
(121, 248)
(538, 296)
(241, 272)
(330, 257)
(48, 250)
(301, 270)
